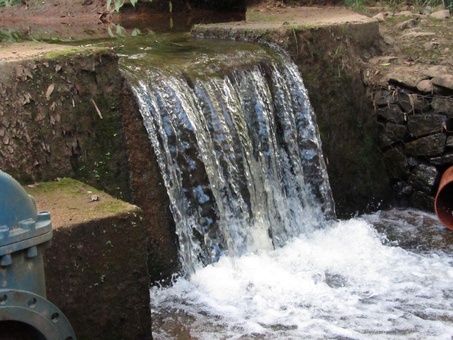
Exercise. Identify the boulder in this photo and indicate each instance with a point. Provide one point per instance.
(423, 177)
(392, 114)
(394, 132)
(425, 86)
(428, 146)
(443, 105)
(442, 14)
(384, 98)
(422, 125)
(445, 81)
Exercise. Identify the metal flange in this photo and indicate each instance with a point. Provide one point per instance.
(36, 312)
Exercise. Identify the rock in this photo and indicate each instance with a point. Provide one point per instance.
(421, 200)
(408, 79)
(407, 24)
(384, 98)
(415, 35)
(392, 114)
(425, 86)
(443, 105)
(393, 133)
(384, 60)
(445, 80)
(404, 13)
(423, 177)
(443, 14)
(446, 158)
(422, 125)
(396, 163)
(428, 146)
(385, 141)
(388, 40)
(407, 101)
(94, 198)
(431, 45)
(420, 103)
(449, 142)
(380, 17)
(437, 71)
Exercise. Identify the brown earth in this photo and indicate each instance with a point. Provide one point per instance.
(414, 40)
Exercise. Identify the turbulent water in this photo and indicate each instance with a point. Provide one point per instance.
(241, 158)
(340, 282)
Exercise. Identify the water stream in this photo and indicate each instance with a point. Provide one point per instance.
(262, 255)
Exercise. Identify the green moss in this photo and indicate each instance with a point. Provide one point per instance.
(70, 195)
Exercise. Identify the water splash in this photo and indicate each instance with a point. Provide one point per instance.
(337, 283)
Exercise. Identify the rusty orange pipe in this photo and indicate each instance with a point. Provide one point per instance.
(443, 203)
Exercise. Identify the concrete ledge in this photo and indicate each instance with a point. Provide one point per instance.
(266, 23)
(96, 268)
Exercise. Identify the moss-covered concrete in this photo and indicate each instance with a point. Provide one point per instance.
(73, 202)
(96, 266)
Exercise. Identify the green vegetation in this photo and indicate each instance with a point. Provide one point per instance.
(360, 5)
(7, 3)
(118, 4)
(10, 35)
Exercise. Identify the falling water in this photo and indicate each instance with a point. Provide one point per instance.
(241, 158)
(240, 155)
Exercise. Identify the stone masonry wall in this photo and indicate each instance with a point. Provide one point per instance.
(415, 116)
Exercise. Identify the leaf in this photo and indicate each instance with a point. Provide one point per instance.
(49, 91)
(118, 5)
(119, 31)
(28, 73)
(135, 32)
(170, 7)
(133, 2)
(385, 64)
(109, 30)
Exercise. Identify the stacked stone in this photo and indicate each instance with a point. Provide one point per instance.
(416, 136)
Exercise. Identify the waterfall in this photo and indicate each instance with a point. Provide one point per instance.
(240, 154)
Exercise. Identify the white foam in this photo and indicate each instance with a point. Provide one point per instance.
(337, 283)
